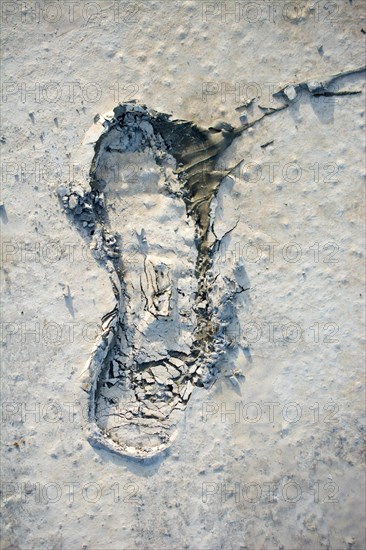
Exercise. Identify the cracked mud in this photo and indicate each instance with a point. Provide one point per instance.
(155, 236)
(153, 230)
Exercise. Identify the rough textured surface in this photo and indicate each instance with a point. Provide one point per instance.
(164, 336)
(271, 457)
(167, 331)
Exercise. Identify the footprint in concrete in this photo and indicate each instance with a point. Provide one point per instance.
(149, 218)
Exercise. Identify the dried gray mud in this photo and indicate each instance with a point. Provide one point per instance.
(124, 426)
(154, 235)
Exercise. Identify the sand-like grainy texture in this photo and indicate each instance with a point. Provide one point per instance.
(269, 452)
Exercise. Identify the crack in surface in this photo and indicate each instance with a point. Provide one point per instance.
(146, 387)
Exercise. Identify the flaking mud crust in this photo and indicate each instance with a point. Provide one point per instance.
(154, 235)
